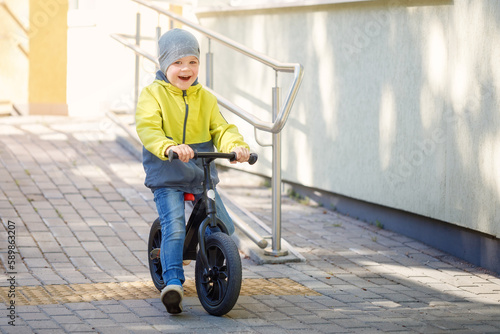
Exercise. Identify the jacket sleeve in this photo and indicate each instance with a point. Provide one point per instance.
(225, 136)
(149, 125)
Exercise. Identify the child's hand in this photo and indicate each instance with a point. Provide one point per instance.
(242, 154)
(185, 152)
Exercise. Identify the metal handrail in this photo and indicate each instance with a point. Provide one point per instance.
(123, 39)
(19, 24)
(13, 16)
(295, 68)
(273, 127)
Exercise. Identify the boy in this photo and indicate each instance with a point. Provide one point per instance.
(176, 113)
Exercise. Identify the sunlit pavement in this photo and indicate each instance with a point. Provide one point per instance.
(76, 216)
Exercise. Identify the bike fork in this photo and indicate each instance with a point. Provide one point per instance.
(211, 220)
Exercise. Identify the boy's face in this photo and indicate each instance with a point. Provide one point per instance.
(183, 72)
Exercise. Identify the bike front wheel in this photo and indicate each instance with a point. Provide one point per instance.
(219, 288)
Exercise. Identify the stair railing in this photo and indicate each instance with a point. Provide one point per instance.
(18, 23)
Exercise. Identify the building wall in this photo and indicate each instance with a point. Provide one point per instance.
(399, 105)
(47, 57)
(100, 70)
(64, 61)
(33, 57)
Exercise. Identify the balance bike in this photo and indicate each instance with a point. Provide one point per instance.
(218, 264)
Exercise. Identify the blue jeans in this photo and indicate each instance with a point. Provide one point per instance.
(170, 207)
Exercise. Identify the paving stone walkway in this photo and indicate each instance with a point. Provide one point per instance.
(75, 199)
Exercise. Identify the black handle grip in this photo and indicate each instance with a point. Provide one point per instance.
(253, 158)
(172, 155)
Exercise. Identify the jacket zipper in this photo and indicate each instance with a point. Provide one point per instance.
(184, 95)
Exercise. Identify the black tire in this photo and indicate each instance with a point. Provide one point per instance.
(155, 268)
(219, 291)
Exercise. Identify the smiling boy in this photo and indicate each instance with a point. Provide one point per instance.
(176, 113)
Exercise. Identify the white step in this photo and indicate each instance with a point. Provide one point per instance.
(5, 108)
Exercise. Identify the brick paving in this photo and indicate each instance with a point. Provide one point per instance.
(76, 200)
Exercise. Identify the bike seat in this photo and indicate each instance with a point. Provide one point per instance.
(188, 197)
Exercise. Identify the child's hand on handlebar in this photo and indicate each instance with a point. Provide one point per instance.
(242, 154)
(185, 152)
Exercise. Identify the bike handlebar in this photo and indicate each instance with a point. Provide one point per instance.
(215, 155)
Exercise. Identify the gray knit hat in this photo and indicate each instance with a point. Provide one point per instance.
(176, 44)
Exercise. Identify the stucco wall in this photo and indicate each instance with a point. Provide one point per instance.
(399, 105)
(48, 55)
(101, 70)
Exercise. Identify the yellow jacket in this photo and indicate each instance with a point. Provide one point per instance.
(165, 116)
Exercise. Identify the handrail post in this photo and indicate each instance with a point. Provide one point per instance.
(210, 66)
(137, 59)
(276, 183)
(158, 34)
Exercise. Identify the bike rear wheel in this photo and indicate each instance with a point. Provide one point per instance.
(155, 268)
(219, 289)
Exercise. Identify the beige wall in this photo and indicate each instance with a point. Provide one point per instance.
(33, 57)
(47, 57)
(399, 104)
